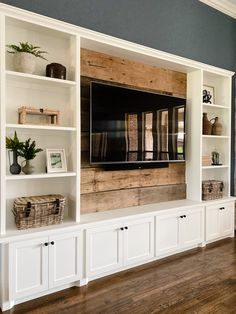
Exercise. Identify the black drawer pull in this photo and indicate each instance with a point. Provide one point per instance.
(46, 244)
(52, 242)
(182, 216)
(222, 208)
(122, 228)
(126, 228)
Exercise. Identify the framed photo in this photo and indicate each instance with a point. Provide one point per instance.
(208, 94)
(56, 160)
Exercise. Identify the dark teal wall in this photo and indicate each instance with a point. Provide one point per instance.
(186, 28)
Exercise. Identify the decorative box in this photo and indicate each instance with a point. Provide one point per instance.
(38, 211)
(212, 189)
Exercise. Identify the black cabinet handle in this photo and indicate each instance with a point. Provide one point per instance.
(122, 228)
(185, 216)
(222, 208)
(126, 228)
(52, 242)
(46, 244)
(182, 216)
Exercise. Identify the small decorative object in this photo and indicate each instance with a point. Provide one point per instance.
(215, 159)
(53, 115)
(212, 189)
(28, 152)
(216, 127)
(208, 94)
(25, 55)
(38, 211)
(56, 70)
(206, 125)
(14, 145)
(56, 160)
(206, 161)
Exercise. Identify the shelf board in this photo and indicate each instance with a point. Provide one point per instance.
(215, 167)
(215, 136)
(40, 176)
(214, 106)
(39, 127)
(32, 78)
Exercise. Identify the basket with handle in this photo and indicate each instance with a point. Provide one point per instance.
(212, 189)
(38, 211)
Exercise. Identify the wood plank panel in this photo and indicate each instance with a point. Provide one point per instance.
(113, 69)
(102, 181)
(102, 201)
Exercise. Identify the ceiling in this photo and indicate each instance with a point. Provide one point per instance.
(226, 6)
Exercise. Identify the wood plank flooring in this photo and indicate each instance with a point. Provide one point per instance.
(198, 281)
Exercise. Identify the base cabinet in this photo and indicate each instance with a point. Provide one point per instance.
(219, 221)
(44, 263)
(179, 230)
(112, 247)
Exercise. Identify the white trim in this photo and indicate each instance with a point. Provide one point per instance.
(225, 6)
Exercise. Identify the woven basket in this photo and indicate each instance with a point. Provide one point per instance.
(38, 211)
(212, 189)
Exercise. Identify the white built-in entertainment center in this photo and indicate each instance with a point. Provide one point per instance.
(39, 261)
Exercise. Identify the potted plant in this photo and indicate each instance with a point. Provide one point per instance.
(14, 145)
(25, 55)
(28, 151)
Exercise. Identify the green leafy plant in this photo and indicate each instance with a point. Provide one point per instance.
(26, 47)
(14, 143)
(28, 150)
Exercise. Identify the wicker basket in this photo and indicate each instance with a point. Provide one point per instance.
(212, 189)
(38, 211)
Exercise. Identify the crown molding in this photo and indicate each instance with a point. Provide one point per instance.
(224, 6)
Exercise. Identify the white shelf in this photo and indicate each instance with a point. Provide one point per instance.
(215, 167)
(40, 176)
(39, 127)
(32, 78)
(215, 136)
(212, 106)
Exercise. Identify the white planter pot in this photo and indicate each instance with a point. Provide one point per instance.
(24, 62)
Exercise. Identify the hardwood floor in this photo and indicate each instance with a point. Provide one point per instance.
(199, 281)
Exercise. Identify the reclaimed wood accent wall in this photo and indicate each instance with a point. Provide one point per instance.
(105, 190)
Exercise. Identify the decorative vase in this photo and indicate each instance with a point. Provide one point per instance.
(24, 62)
(206, 125)
(216, 127)
(27, 168)
(56, 70)
(15, 168)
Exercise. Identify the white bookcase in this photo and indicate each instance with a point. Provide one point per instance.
(37, 90)
(63, 43)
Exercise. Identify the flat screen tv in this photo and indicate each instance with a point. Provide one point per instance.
(129, 126)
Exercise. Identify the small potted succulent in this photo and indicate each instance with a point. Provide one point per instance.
(25, 55)
(28, 151)
(14, 145)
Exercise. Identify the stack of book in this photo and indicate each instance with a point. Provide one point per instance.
(206, 161)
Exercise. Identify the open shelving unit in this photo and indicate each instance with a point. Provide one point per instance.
(38, 91)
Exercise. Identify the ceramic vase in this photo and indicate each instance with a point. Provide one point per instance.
(206, 125)
(216, 127)
(28, 168)
(15, 168)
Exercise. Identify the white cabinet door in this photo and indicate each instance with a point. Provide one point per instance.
(167, 234)
(212, 222)
(219, 220)
(28, 267)
(138, 241)
(103, 249)
(191, 227)
(65, 258)
(226, 219)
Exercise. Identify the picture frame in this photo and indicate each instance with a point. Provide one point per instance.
(208, 94)
(56, 160)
